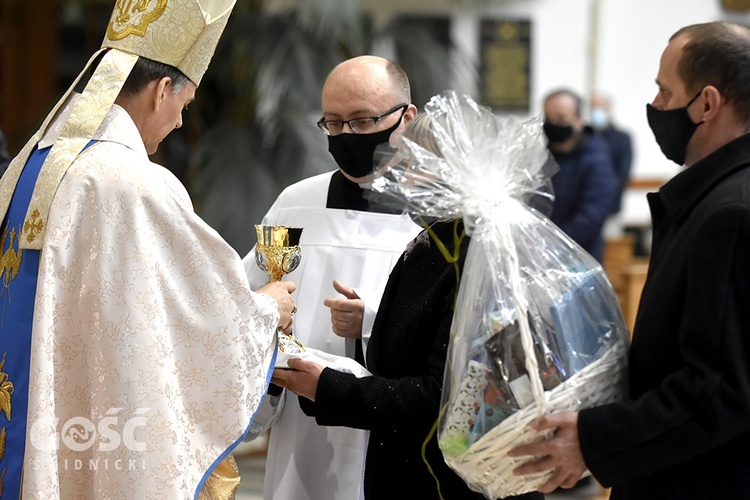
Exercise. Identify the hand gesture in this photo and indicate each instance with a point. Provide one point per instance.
(346, 313)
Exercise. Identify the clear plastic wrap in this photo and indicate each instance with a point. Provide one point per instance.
(537, 326)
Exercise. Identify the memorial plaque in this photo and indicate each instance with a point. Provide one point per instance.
(505, 67)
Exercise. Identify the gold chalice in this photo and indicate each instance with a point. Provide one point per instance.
(277, 253)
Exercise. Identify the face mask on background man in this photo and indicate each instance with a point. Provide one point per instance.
(599, 119)
(557, 133)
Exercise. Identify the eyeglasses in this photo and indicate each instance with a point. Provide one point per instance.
(362, 125)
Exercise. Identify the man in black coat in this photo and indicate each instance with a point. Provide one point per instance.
(685, 430)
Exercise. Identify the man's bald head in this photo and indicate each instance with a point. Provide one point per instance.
(367, 99)
(367, 84)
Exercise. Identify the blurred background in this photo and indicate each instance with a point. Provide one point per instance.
(251, 131)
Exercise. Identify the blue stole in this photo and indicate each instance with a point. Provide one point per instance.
(19, 271)
(18, 277)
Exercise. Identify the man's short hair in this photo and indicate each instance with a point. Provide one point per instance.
(146, 70)
(399, 82)
(567, 92)
(718, 54)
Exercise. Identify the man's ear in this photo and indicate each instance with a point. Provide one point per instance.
(712, 102)
(161, 87)
(410, 113)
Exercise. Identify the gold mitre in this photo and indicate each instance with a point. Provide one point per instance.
(180, 33)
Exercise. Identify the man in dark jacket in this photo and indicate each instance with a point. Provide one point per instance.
(685, 430)
(618, 141)
(585, 186)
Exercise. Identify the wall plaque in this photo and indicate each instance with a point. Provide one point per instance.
(505, 66)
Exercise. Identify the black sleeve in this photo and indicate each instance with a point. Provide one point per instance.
(380, 403)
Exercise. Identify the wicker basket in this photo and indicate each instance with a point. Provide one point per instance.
(487, 468)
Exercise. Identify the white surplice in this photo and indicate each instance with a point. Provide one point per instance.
(306, 461)
(150, 353)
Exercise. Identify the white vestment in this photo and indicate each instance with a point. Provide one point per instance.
(307, 461)
(150, 353)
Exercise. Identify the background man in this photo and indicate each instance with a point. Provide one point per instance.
(586, 184)
(134, 353)
(346, 238)
(619, 144)
(685, 430)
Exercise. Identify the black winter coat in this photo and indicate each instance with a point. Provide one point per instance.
(685, 432)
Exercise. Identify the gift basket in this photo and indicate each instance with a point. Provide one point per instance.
(537, 327)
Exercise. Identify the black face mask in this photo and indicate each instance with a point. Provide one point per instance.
(354, 152)
(557, 133)
(672, 129)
